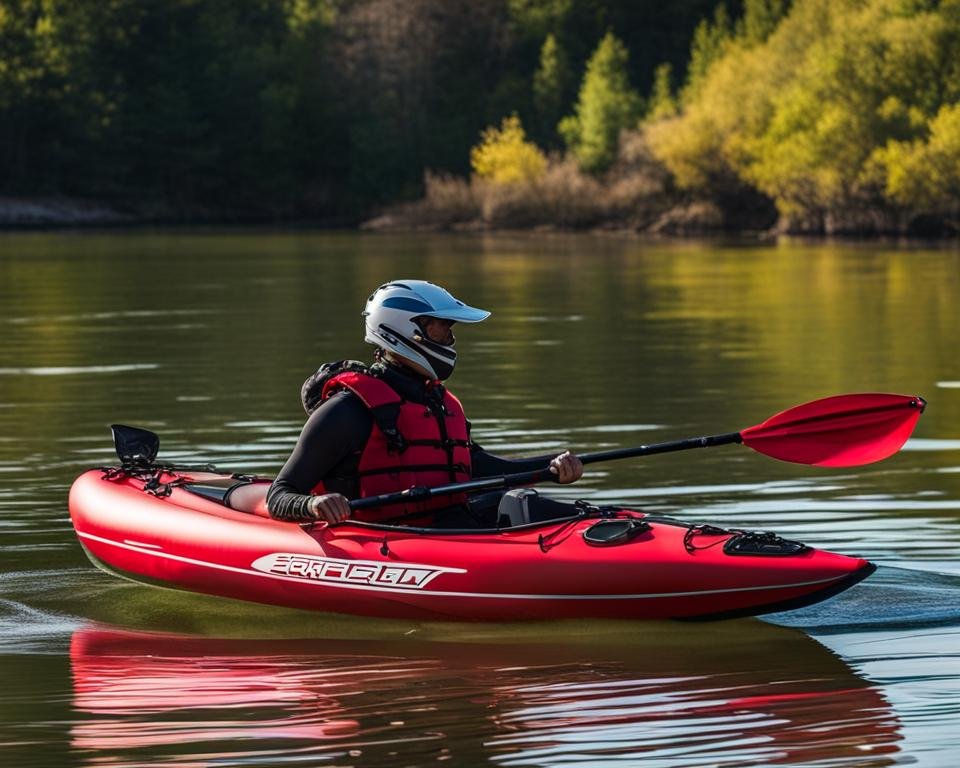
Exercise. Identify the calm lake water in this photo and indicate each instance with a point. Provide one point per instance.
(595, 342)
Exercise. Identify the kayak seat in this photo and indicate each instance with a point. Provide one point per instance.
(522, 506)
(514, 508)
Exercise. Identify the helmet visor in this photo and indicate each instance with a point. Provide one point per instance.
(423, 299)
(460, 313)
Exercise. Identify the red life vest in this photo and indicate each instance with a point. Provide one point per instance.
(410, 444)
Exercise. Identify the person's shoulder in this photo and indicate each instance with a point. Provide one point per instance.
(342, 418)
(343, 402)
(313, 392)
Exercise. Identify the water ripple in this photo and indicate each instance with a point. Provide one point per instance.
(71, 370)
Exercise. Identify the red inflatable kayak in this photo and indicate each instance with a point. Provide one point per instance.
(594, 562)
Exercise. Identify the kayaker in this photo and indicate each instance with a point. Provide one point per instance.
(394, 425)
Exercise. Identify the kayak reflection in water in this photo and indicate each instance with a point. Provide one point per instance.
(393, 425)
(742, 693)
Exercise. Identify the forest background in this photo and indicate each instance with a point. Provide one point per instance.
(812, 116)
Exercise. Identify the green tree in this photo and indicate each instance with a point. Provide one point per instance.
(662, 104)
(179, 106)
(539, 17)
(41, 110)
(416, 79)
(550, 84)
(710, 40)
(606, 105)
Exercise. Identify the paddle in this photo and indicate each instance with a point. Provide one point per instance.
(839, 431)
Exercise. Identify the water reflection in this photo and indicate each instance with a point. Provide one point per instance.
(741, 693)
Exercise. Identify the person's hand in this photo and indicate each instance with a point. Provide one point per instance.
(329, 508)
(567, 467)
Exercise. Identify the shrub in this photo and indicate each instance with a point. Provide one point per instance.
(925, 173)
(448, 200)
(504, 156)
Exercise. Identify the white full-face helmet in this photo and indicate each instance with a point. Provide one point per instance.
(391, 318)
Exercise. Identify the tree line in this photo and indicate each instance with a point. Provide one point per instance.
(821, 116)
(824, 115)
(290, 108)
(844, 113)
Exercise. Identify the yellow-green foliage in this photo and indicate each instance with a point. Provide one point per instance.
(710, 40)
(504, 155)
(29, 52)
(662, 104)
(706, 140)
(838, 106)
(926, 172)
(760, 18)
(606, 105)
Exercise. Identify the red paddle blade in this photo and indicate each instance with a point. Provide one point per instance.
(840, 431)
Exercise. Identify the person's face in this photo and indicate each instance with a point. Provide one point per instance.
(439, 331)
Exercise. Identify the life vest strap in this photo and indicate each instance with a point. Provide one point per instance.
(386, 417)
(448, 443)
(415, 468)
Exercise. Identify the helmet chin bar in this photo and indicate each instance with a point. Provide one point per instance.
(435, 361)
(445, 351)
(422, 335)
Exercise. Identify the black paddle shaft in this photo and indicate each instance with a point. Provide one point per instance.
(668, 447)
(539, 475)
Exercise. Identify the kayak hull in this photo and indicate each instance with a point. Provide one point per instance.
(545, 571)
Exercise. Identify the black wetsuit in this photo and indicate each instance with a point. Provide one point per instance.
(334, 437)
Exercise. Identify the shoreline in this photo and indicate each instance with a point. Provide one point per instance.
(681, 222)
(20, 213)
(59, 213)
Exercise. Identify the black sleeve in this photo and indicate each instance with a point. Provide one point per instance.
(337, 430)
(487, 465)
